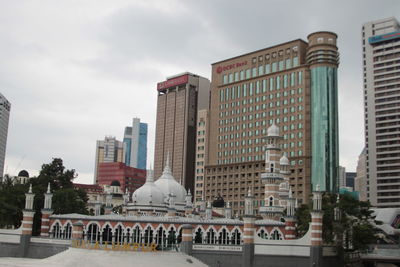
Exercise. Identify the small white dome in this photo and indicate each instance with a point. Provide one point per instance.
(284, 160)
(273, 130)
(168, 185)
(148, 192)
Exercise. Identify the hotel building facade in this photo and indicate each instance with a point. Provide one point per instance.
(293, 85)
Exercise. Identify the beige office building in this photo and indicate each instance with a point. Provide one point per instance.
(249, 93)
(179, 99)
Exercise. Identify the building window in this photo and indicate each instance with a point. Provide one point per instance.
(254, 72)
(288, 63)
(295, 61)
(300, 76)
(225, 79)
(231, 78)
(260, 70)
(274, 66)
(242, 75)
(281, 67)
(248, 73)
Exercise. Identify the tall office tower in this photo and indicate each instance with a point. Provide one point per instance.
(323, 59)
(360, 181)
(5, 107)
(201, 153)
(179, 99)
(275, 84)
(107, 150)
(381, 59)
(135, 145)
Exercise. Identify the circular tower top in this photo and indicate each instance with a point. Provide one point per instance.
(322, 49)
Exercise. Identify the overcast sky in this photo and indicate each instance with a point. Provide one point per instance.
(75, 71)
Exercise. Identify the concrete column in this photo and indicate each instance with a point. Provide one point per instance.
(187, 239)
(248, 241)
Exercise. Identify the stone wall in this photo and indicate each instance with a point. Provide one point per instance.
(9, 249)
(219, 258)
(43, 250)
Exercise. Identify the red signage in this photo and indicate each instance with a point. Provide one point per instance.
(230, 66)
(173, 82)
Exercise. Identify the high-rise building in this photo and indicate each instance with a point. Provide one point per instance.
(360, 181)
(5, 107)
(107, 150)
(179, 99)
(201, 153)
(293, 85)
(135, 145)
(381, 59)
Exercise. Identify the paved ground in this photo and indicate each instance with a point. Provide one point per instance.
(74, 257)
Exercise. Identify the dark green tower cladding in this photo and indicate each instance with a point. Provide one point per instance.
(323, 58)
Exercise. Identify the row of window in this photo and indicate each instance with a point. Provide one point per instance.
(262, 86)
(233, 152)
(265, 106)
(250, 125)
(257, 141)
(249, 159)
(263, 98)
(260, 70)
(250, 117)
(257, 132)
(258, 115)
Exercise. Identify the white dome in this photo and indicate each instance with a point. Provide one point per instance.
(284, 160)
(148, 192)
(273, 130)
(168, 185)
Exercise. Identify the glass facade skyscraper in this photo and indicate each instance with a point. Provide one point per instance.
(135, 145)
(323, 58)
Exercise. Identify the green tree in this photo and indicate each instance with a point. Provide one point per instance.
(12, 201)
(303, 219)
(66, 199)
(355, 226)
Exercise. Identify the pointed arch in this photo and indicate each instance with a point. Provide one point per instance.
(236, 236)
(92, 232)
(67, 230)
(262, 233)
(276, 234)
(56, 229)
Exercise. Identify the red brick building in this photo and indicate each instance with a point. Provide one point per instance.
(128, 177)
